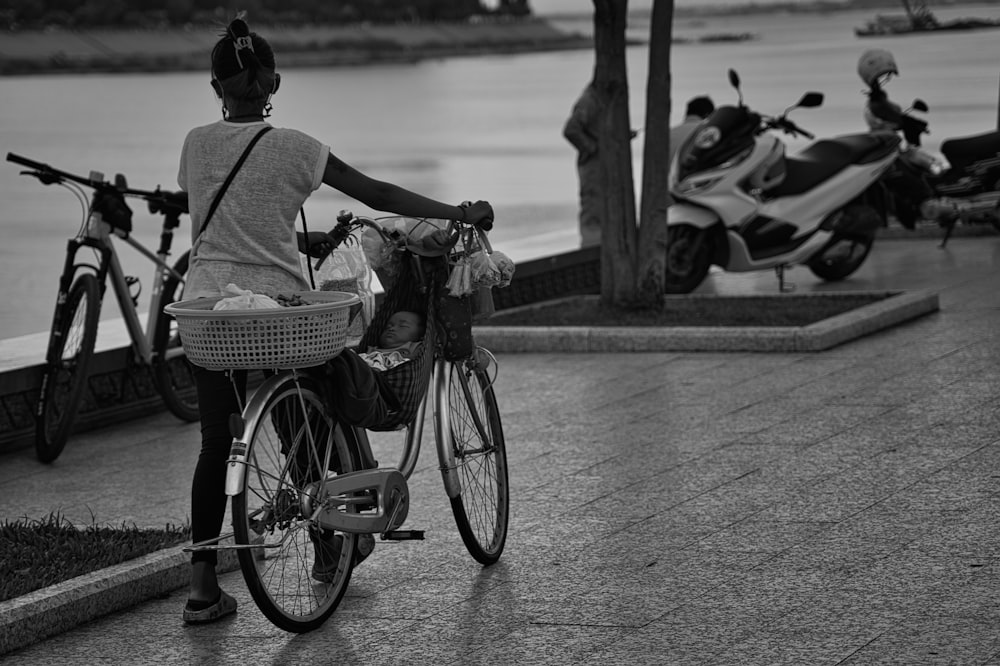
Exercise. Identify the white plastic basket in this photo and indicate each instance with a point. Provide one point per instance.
(274, 338)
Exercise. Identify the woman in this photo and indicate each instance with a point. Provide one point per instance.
(250, 240)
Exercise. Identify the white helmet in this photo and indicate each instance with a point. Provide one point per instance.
(874, 64)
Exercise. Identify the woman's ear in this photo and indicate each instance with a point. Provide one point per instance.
(217, 87)
(277, 82)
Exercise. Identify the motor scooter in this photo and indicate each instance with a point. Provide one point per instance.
(965, 187)
(744, 205)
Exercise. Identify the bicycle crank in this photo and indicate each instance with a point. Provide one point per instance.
(365, 502)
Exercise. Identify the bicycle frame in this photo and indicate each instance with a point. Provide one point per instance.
(383, 483)
(99, 235)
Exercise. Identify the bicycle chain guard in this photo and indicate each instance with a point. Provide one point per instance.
(380, 495)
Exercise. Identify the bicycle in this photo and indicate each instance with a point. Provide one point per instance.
(304, 486)
(82, 286)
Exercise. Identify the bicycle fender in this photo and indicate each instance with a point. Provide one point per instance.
(695, 216)
(239, 425)
(442, 432)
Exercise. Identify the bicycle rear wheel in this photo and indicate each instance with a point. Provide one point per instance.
(65, 379)
(474, 459)
(293, 446)
(173, 373)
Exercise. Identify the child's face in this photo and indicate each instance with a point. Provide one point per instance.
(401, 328)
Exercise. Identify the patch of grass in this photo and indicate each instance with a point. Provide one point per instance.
(38, 553)
(777, 310)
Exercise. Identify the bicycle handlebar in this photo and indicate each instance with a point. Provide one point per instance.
(160, 201)
(347, 222)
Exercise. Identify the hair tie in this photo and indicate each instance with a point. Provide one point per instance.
(241, 43)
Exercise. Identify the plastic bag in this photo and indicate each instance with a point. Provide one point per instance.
(244, 299)
(346, 269)
(505, 266)
(425, 236)
(460, 279)
(484, 272)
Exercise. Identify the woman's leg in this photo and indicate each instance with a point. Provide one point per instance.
(218, 397)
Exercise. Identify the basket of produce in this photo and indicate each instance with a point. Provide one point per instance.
(306, 330)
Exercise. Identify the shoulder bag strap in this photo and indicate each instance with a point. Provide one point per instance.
(232, 174)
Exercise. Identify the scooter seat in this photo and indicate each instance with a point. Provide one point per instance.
(821, 160)
(968, 149)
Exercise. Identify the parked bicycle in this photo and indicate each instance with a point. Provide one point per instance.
(297, 474)
(82, 285)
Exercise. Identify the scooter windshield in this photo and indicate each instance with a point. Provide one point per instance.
(729, 130)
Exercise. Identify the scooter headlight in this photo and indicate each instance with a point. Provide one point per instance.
(692, 186)
(707, 137)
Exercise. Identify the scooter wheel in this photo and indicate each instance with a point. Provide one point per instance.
(840, 257)
(689, 256)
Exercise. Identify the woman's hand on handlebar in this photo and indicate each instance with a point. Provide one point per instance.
(317, 244)
(479, 214)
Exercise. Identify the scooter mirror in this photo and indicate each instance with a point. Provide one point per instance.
(811, 100)
(734, 78)
(920, 105)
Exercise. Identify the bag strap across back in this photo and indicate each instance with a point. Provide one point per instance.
(232, 174)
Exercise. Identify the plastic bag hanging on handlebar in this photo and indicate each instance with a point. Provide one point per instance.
(346, 269)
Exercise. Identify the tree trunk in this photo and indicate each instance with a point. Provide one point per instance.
(655, 199)
(618, 230)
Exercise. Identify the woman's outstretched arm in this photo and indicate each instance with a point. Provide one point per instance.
(382, 196)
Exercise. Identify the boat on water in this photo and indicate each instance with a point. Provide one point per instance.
(919, 19)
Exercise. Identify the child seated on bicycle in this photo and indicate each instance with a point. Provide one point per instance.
(355, 387)
(397, 342)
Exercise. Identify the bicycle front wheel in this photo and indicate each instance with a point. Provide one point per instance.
(173, 373)
(299, 573)
(65, 380)
(474, 459)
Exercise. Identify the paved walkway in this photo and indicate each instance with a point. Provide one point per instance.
(839, 507)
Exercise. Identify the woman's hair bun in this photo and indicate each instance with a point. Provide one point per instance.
(238, 28)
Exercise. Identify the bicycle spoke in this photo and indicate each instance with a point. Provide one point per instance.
(480, 462)
(289, 451)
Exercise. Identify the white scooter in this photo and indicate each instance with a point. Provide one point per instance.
(741, 204)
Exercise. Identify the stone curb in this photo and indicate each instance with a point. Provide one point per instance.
(898, 308)
(47, 612)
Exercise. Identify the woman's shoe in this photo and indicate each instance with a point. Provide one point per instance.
(223, 606)
(328, 554)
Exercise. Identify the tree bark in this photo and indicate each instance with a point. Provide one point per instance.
(618, 231)
(651, 261)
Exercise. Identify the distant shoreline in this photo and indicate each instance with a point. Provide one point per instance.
(109, 50)
(62, 51)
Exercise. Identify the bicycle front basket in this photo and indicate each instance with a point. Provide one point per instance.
(275, 338)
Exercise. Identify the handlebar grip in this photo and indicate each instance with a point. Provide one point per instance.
(24, 161)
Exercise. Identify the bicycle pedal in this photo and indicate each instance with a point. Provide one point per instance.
(403, 535)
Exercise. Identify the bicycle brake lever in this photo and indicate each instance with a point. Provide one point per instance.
(45, 177)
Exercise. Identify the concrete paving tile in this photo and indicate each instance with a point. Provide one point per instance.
(546, 644)
(778, 646)
(609, 605)
(939, 641)
(760, 536)
(805, 427)
(809, 464)
(685, 645)
(731, 502)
